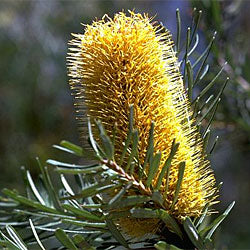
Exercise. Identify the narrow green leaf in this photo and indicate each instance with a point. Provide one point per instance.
(34, 189)
(36, 235)
(135, 140)
(212, 116)
(153, 168)
(65, 239)
(82, 213)
(195, 27)
(29, 193)
(117, 215)
(214, 103)
(66, 185)
(166, 167)
(27, 202)
(144, 213)
(77, 150)
(178, 19)
(204, 55)
(190, 79)
(214, 145)
(194, 46)
(162, 245)
(119, 195)
(49, 229)
(157, 197)
(94, 189)
(170, 222)
(92, 205)
(48, 185)
(150, 149)
(179, 182)
(115, 232)
(203, 216)
(16, 237)
(90, 170)
(206, 137)
(106, 141)
(211, 83)
(84, 223)
(193, 234)
(92, 140)
(213, 226)
(68, 165)
(203, 105)
(131, 201)
(80, 241)
(187, 50)
(129, 136)
(204, 72)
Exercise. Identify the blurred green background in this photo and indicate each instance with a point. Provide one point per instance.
(36, 108)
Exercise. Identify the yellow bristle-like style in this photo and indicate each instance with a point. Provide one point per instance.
(129, 60)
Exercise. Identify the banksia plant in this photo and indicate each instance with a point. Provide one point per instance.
(150, 176)
(128, 60)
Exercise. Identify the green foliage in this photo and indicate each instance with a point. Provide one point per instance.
(71, 215)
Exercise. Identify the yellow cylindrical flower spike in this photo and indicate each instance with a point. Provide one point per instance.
(128, 60)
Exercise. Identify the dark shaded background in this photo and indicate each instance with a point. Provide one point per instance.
(36, 108)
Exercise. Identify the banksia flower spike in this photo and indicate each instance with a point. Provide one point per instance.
(129, 60)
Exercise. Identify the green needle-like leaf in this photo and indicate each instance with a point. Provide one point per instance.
(80, 241)
(203, 216)
(115, 232)
(119, 195)
(106, 142)
(190, 79)
(178, 20)
(77, 150)
(179, 181)
(129, 136)
(48, 185)
(82, 213)
(170, 222)
(162, 245)
(212, 227)
(68, 165)
(90, 170)
(153, 168)
(34, 189)
(135, 140)
(166, 167)
(193, 234)
(16, 237)
(131, 201)
(36, 235)
(150, 149)
(214, 103)
(65, 239)
(211, 84)
(144, 213)
(28, 202)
